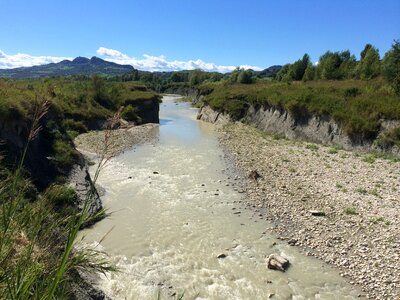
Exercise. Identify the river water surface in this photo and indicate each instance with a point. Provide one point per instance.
(176, 208)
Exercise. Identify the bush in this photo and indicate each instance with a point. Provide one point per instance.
(73, 125)
(351, 92)
(60, 195)
(129, 113)
(65, 154)
(245, 77)
(389, 138)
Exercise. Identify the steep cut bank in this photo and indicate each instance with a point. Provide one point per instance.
(313, 128)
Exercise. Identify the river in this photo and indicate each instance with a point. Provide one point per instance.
(176, 207)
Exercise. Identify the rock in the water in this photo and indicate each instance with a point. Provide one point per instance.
(277, 262)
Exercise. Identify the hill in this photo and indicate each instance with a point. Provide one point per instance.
(78, 66)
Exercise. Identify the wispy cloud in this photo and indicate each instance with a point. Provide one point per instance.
(160, 63)
(146, 63)
(25, 60)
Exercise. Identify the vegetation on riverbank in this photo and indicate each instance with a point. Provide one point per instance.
(38, 257)
(40, 217)
(76, 105)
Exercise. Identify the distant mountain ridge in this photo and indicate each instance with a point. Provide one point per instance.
(78, 66)
(95, 65)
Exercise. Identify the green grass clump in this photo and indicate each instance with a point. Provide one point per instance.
(369, 158)
(389, 138)
(362, 191)
(350, 211)
(376, 220)
(312, 147)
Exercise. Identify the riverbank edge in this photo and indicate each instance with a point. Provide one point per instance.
(88, 144)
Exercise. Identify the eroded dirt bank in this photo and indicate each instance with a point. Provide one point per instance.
(357, 196)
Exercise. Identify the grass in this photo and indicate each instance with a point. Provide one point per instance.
(369, 158)
(377, 220)
(362, 191)
(350, 211)
(332, 151)
(312, 147)
(339, 185)
(375, 193)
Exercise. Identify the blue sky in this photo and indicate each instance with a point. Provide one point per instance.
(184, 34)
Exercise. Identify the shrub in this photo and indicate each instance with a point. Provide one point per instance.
(389, 138)
(129, 113)
(350, 211)
(64, 153)
(60, 195)
(75, 125)
(351, 92)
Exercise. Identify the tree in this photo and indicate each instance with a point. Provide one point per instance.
(309, 73)
(364, 51)
(348, 64)
(370, 65)
(196, 77)
(178, 77)
(245, 77)
(391, 66)
(328, 66)
(282, 72)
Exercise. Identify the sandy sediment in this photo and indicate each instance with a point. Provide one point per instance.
(120, 139)
(339, 206)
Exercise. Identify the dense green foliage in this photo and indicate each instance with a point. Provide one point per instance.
(391, 66)
(344, 65)
(178, 81)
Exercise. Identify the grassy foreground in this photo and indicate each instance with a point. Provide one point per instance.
(39, 223)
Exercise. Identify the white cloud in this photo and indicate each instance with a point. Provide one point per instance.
(26, 60)
(146, 63)
(160, 63)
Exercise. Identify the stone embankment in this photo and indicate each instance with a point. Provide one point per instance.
(339, 206)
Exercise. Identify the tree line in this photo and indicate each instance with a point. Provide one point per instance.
(339, 65)
(344, 65)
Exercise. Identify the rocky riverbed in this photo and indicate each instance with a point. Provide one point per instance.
(340, 206)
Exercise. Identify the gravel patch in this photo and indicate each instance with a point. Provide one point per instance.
(120, 139)
(339, 206)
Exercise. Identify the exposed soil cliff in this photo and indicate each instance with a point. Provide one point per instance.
(318, 129)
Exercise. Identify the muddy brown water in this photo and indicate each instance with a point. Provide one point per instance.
(176, 208)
